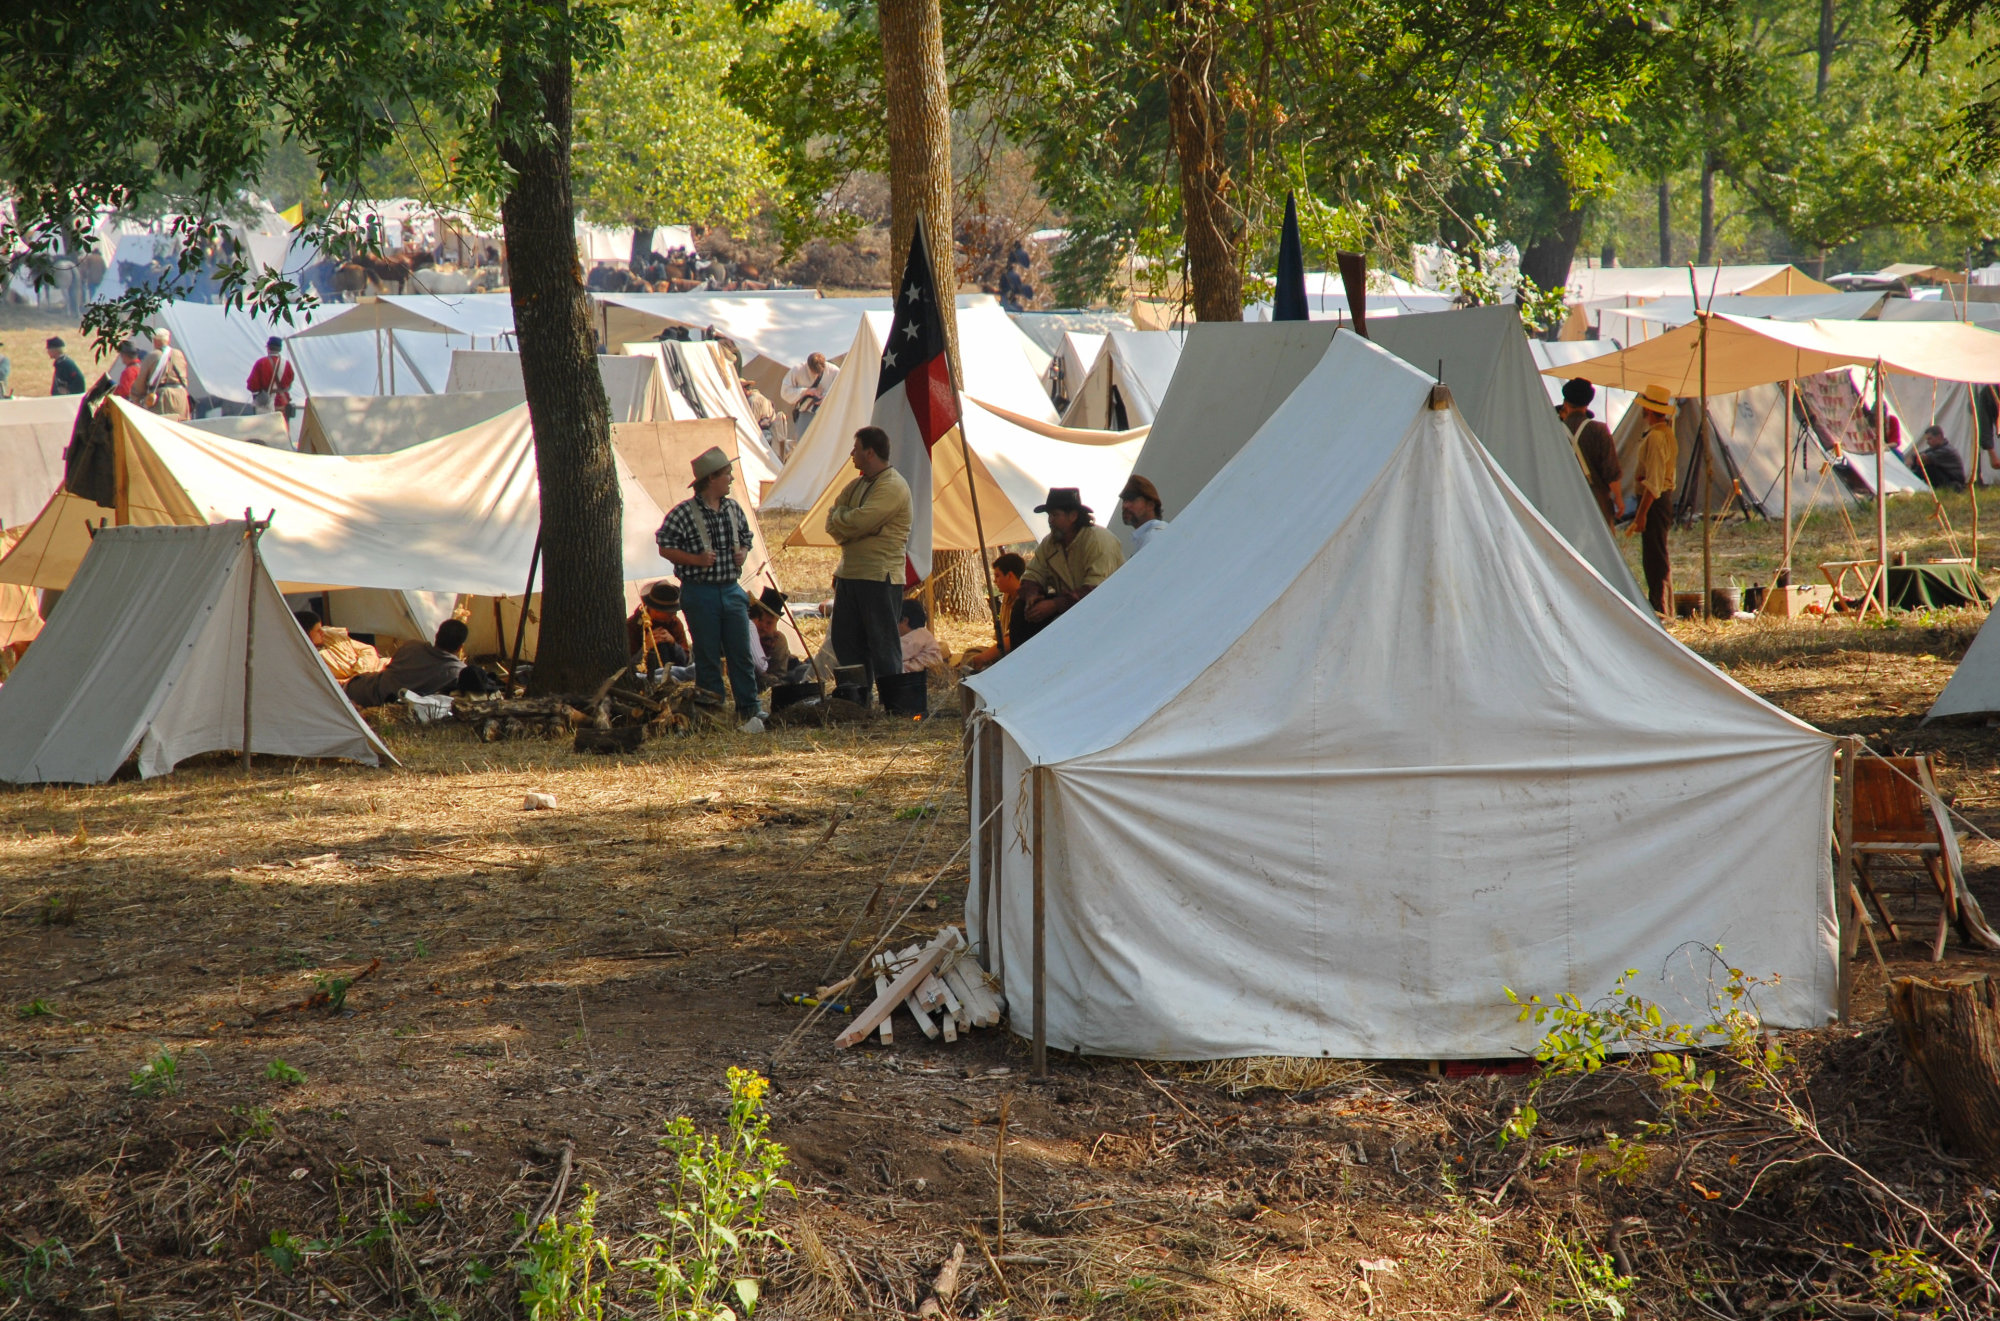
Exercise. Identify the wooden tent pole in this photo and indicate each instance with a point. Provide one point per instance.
(1843, 895)
(1041, 1035)
(1978, 456)
(1788, 485)
(521, 625)
(1881, 498)
(1706, 439)
(250, 531)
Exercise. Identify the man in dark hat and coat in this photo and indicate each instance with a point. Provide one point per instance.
(654, 635)
(1073, 559)
(1595, 448)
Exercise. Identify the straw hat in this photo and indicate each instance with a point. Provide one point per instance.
(708, 463)
(1656, 399)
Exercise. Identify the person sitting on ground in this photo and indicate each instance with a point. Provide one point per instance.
(1007, 571)
(920, 645)
(766, 622)
(1072, 560)
(805, 388)
(1140, 508)
(1938, 463)
(341, 653)
(655, 638)
(1595, 448)
(68, 378)
(423, 670)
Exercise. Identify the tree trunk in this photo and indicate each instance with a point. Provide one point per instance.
(642, 243)
(1212, 231)
(583, 607)
(1666, 224)
(1827, 35)
(1705, 243)
(919, 107)
(959, 585)
(1951, 1032)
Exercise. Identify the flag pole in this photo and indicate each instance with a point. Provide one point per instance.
(964, 445)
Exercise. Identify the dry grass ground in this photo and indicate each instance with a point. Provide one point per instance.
(24, 329)
(583, 975)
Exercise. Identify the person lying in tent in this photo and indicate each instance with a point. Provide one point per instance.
(423, 670)
(1072, 560)
(920, 645)
(1007, 571)
(342, 654)
(1937, 462)
(655, 638)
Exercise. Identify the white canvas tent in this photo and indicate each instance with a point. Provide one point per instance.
(1591, 289)
(1974, 689)
(1397, 769)
(269, 429)
(382, 424)
(1231, 377)
(633, 385)
(1749, 436)
(1387, 296)
(458, 514)
(1015, 461)
(222, 345)
(702, 382)
(148, 652)
(996, 372)
(776, 323)
(1129, 377)
(33, 435)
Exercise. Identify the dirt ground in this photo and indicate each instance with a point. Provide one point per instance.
(524, 980)
(24, 329)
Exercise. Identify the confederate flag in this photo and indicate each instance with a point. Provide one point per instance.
(916, 401)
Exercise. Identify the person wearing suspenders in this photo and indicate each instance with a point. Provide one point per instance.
(707, 538)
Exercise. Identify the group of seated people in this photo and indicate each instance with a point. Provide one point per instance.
(656, 638)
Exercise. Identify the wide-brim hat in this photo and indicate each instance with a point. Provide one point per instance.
(663, 595)
(1656, 398)
(1067, 498)
(772, 600)
(708, 463)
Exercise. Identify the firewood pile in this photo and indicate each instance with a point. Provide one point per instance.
(941, 979)
(617, 719)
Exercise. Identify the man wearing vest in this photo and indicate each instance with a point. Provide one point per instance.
(706, 539)
(870, 521)
(1659, 453)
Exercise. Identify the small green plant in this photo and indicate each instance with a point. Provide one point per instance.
(35, 1008)
(258, 1124)
(558, 1276)
(1907, 1278)
(423, 950)
(334, 989)
(158, 1076)
(701, 1267)
(285, 1251)
(36, 1263)
(280, 1072)
(59, 910)
(916, 813)
(296, 958)
(1594, 1281)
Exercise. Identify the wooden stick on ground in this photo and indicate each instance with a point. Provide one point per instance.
(553, 1202)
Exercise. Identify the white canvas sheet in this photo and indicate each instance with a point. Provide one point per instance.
(33, 435)
(147, 652)
(383, 424)
(1396, 770)
(996, 371)
(712, 390)
(222, 345)
(458, 514)
(633, 385)
(268, 429)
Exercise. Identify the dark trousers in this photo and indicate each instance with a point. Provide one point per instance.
(1653, 554)
(718, 620)
(864, 625)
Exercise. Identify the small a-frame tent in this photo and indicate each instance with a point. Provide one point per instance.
(1126, 382)
(1397, 769)
(33, 434)
(1749, 438)
(149, 650)
(1974, 689)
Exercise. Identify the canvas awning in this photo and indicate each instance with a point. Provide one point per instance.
(1744, 352)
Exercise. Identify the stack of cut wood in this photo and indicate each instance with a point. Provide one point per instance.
(617, 719)
(942, 979)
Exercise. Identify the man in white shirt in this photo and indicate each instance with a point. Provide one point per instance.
(805, 388)
(1140, 508)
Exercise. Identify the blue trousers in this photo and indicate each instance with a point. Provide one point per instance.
(718, 620)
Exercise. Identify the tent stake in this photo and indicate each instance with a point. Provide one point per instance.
(1041, 1057)
(521, 626)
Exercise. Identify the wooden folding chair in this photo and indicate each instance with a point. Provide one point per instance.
(1901, 832)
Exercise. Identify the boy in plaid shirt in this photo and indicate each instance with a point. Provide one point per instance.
(706, 539)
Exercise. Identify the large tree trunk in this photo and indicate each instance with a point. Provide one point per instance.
(583, 608)
(919, 106)
(958, 581)
(1212, 231)
(1828, 39)
(642, 243)
(1666, 224)
(1951, 1032)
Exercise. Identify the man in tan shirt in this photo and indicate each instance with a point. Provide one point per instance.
(1659, 454)
(870, 521)
(1072, 560)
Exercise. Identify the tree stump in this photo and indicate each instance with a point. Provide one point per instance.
(958, 584)
(1951, 1032)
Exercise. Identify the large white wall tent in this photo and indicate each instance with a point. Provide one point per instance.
(1398, 769)
(1750, 438)
(33, 434)
(996, 371)
(702, 382)
(147, 652)
(1124, 385)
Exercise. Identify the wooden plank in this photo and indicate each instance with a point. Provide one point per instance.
(930, 993)
(923, 1019)
(954, 977)
(897, 992)
(882, 997)
(950, 1027)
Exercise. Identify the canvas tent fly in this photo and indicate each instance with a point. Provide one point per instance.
(1124, 385)
(633, 385)
(1748, 438)
(149, 653)
(1397, 769)
(382, 424)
